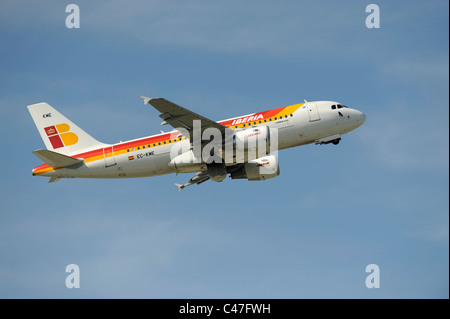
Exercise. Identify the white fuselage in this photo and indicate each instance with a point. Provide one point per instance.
(308, 123)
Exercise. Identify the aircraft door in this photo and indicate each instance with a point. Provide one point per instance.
(313, 112)
(108, 154)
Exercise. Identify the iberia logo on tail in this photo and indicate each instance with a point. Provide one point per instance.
(60, 136)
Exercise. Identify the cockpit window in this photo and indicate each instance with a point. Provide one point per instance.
(340, 106)
(333, 107)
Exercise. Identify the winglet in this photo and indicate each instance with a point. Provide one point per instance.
(146, 99)
(180, 187)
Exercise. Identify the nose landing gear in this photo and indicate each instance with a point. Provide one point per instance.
(336, 141)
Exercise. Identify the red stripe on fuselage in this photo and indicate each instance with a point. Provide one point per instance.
(265, 114)
(159, 138)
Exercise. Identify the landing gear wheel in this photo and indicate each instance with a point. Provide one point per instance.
(336, 141)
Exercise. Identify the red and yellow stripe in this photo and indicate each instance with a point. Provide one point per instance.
(264, 117)
(169, 138)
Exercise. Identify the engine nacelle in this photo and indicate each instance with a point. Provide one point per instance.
(186, 163)
(240, 147)
(259, 169)
(251, 143)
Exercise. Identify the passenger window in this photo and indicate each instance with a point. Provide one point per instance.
(164, 142)
(270, 120)
(154, 144)
(291, 115)
(170, 141)
(128, 150)
(159, 143)
(259, 122)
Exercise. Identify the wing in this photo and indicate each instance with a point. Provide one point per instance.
(199, 178)
(178, 116)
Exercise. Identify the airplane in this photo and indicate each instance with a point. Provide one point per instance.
(72, 153)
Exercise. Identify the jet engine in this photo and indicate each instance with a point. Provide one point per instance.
(252, 143)
(259, 169)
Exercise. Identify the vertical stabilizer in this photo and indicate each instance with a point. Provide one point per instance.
(58, 132)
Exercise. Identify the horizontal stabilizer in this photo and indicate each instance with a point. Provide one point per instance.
(54, 159)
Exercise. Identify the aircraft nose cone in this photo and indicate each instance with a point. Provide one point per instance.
(358, 118)
(363, 117)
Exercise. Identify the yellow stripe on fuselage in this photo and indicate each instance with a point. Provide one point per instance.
(286, 111)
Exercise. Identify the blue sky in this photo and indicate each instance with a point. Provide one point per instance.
(380, 196)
